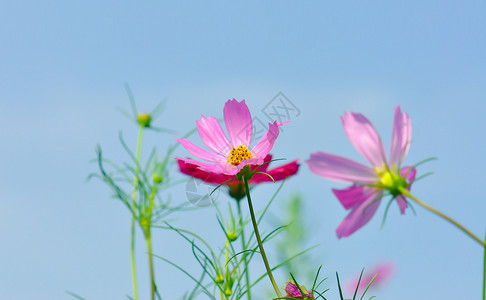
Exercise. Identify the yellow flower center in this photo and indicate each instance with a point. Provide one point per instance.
(238, 154)
(390, 180)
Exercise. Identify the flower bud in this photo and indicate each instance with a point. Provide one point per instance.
(232, 236)
(144, 119)
(157, 178)
(219, 278)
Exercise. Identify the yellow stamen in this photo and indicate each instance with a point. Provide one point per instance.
(390, 180)
(238, 154)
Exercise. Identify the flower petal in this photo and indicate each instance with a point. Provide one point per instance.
(188, 167)
(364, 138)
(239, 124)
(401, 137)
(213, 135)
(360, 214)
(350, 196)
(278, 173)
(200, 152)
(218, 168)
(340, 169)
(265, 144)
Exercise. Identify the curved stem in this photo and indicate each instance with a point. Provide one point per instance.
(132, 259)
(260, 244)
(243, 246)
(484, 272)
(440, 214)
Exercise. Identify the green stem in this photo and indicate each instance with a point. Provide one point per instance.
(440, 214)
(243, 245)
(484, 272)
(147, 226)
(132, 259)
(134, 202)
(151, 263)
(260, 244)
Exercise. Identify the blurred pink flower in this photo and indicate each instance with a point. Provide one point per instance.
(293, 291)
(369, 184)
(228, 156)
(383, 271)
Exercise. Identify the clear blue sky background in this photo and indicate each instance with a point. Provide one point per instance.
(62, 69)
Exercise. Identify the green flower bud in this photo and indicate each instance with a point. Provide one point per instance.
(144, 119)
(228, 291)
(232, 236)
(157, 178)
(219, 279)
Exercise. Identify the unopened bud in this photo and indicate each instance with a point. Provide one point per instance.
(144, 119)
(157, 178)
(232, 236)
(219, 279)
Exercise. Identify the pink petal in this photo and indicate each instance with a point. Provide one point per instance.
(402, 203)
(217, 168)
(194, 170)
(340, 169)
(401, 137)
(360, 214)
(350, 196)
(201, 153)
(364, 138)
(251, 161)
(383, 270)
(278, 173)
(238, 122)
(266, 163)
(265, 144)
(213, 135)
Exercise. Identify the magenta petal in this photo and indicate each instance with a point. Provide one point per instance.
(410, 174)
(265, 144)
(238, 122)
(364, 138)
(194, 170)
(213, 135)
(200, 152)
(360, 214)
(401, 137)
(218, 168)
(278, 173)
(402, 203)
(340, 169)
(350, 196)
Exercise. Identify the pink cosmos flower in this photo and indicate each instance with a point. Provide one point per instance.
(278, 173)
(368, 183)
(383, 271)
(229, 155)
(293, 291)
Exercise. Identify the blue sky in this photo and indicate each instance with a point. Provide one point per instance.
(62, 70)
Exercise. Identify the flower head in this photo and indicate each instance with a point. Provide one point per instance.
(369, 183)
(228, 156)
(293, 291)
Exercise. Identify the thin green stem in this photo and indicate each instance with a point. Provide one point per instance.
(243, 245)
(484, 272)
(151, 263)
(134, 203)
(445, 217)
(137, 165)
(132, 258)
(260, 244)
